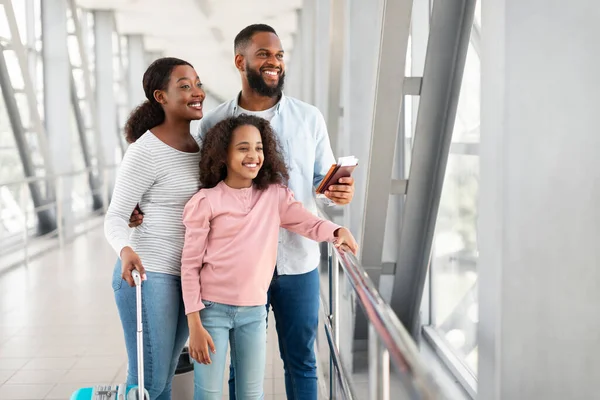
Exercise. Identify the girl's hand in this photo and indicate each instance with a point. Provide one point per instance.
(130, 261)
(200, 342)
(344, 237)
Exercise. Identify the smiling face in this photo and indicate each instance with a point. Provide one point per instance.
(262, 64)
(184, 96)
(244, 156)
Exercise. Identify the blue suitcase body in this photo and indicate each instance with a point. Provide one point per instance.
(105, 392)
(122, 392)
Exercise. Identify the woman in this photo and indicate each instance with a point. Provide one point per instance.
(160, 172)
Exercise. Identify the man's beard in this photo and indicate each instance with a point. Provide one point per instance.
(258, 84)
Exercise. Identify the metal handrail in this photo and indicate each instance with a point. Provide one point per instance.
(336, 362)
(388, 339)
(385, 327)
(36, 178)
(55, 181)
(403, 352)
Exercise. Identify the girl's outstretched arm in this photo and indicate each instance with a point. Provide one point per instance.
(295, 218)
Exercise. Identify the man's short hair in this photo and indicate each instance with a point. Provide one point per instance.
(242, 40)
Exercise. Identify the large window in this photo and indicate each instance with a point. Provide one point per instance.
(12, 198)
(81, 192)
(453, 270)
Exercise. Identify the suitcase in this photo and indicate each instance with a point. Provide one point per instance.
(183, 381)
(122, 391)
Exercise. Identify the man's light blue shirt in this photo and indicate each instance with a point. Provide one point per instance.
(303, 136)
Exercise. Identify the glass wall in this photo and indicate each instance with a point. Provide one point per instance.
(15, 195)
(453, 269)
(13, 199)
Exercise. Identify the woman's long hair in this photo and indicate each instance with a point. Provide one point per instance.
(150, 113)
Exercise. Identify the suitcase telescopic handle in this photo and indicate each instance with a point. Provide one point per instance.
(137, 279)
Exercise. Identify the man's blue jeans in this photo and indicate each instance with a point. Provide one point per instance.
(165, 329)
(295, 303)
(245, 330)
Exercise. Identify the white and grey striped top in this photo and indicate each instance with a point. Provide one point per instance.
(162, 180)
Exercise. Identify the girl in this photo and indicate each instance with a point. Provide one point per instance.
(160, 173)
(229, 254)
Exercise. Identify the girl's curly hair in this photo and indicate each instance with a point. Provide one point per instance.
(215, 145)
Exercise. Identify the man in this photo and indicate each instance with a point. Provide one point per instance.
(301, 129)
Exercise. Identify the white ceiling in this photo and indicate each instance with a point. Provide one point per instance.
(201, 31)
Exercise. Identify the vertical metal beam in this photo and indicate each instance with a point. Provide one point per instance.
(289, 66)
(419, 37)
(81, 36)
(395, 210)
(386, 119)
(321, 53)
(379, 368)
(337, 30)
(46, 219)
(80, 122)
(151, 56)
(294, 72)
(333, 314)
(308, 55)
(148, 57)
(476, 38)
(106, 105)
(34, 115)
(445, 60)
(31, 39)
(85, 146)
(363, 33)
(123, 100)
(57, 100)
(135, 69)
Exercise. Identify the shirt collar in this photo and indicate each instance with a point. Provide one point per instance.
(235, 103)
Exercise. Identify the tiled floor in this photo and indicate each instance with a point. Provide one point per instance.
(59, 327)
